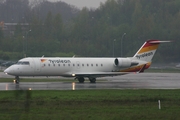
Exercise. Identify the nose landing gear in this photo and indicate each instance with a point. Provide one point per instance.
(17, 79)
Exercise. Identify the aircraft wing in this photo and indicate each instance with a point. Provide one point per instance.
(98, 74)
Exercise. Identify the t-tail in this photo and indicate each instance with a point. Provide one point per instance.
(144, 56)
(148, 50)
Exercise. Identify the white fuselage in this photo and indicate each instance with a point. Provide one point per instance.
(62, 66)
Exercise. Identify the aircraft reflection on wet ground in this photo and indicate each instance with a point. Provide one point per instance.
(69, 86)
(137, 81)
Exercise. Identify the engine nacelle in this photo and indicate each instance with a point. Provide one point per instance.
(124, 62)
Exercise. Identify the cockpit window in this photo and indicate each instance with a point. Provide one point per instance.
(23, 63)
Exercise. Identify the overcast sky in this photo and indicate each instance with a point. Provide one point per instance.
(83, 3)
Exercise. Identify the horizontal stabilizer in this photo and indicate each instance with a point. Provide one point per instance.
(157, 42)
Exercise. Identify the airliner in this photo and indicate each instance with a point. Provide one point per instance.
(81, 68)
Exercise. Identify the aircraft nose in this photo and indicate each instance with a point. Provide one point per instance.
(9, 70)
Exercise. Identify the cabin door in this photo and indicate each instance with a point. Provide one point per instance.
(37, 65)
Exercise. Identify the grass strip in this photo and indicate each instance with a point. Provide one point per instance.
(90, 104)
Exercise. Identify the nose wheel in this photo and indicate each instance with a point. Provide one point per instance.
(17, 79)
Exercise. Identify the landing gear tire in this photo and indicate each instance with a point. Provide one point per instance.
(17, 79)
(92, 80)
(81, 79)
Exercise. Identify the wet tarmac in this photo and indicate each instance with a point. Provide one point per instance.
(130, 81)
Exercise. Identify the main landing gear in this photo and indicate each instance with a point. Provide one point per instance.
(81, 80)
(17, 79)
(92, 80)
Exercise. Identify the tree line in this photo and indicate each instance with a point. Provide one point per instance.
(96, 32)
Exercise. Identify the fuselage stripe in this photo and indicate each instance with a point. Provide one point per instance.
(136, 68)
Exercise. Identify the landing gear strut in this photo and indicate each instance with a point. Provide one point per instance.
(17, 79)
(92, 80)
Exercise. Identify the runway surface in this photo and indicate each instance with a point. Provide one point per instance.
(130, 81)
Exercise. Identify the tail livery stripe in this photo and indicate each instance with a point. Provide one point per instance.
(148, 49)
(148, 46)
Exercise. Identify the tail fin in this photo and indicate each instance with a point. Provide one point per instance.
(147, 50)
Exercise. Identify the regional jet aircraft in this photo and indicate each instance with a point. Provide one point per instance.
(81, 68)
